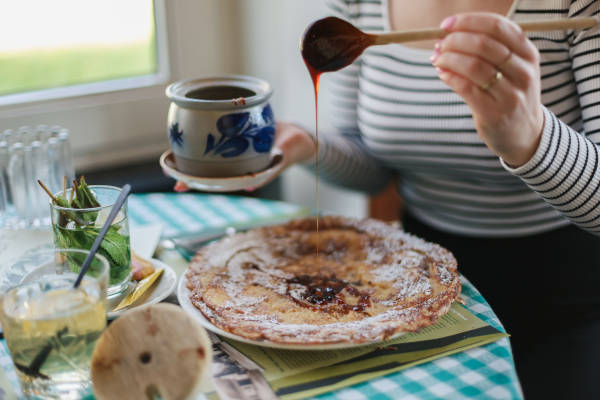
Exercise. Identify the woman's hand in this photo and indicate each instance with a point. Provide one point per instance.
(294, 142)
(491, 64)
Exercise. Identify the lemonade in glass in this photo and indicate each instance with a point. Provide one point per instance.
(51, 328)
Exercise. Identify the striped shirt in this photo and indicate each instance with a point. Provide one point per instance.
(396, 118)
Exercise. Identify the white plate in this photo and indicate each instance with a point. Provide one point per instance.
(226, 184)
(183, 296)
(159, 291)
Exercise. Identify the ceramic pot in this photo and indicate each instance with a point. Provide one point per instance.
(221, 126)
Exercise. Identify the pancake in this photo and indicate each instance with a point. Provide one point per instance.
(368, 282)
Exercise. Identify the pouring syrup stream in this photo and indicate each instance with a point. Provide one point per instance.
(315, 78)
(327, 45)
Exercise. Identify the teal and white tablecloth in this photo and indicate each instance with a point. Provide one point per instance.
(188, 213)
(485, 372)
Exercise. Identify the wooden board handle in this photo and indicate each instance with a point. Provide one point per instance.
(529, 26)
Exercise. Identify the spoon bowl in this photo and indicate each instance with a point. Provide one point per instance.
(331, 43)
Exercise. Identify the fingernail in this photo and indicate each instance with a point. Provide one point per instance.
(438, 44)
(181, 187)
(448, 23)
(441, 71)
(434, 56)
(250, 189)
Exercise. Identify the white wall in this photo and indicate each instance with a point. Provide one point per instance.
(271, 32)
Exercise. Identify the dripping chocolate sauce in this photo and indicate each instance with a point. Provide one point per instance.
(329, 44)
(322, 290)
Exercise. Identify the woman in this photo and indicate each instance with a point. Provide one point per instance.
(493, 135)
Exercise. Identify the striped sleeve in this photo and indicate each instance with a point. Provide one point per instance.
(343, 158)
(565, 170)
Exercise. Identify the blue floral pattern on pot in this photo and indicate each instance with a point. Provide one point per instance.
(240, 130)
(176, 135)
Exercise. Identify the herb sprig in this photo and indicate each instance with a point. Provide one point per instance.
(79, 229)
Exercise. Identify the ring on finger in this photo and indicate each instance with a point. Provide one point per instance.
(493, 80)
(505, 62)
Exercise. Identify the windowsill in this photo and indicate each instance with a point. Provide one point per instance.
(94, 88)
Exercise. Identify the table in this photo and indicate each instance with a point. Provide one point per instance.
(486, 372)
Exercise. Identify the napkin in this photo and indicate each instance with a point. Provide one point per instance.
(139, 290)
(145, 238)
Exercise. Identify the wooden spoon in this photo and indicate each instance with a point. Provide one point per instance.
(331, 43)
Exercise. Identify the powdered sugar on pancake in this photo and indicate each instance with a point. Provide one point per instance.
(369, 282)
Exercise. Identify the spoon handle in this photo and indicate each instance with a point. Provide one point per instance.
(438, 33)
(96, 245)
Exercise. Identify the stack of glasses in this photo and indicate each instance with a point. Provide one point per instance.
(26, 155)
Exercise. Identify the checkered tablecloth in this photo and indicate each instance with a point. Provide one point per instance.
(190, 213)
(486, 372)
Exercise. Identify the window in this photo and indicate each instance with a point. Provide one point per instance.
(76, 44)
(97, 67)
(123, 120)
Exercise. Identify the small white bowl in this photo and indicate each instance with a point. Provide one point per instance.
(159, 290)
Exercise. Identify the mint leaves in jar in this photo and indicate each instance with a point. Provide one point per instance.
(78, 214)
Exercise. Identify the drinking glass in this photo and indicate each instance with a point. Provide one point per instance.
(26, 155)
(79, 227)
(51, 328)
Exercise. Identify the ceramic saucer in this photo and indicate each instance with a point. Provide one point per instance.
(222, 184)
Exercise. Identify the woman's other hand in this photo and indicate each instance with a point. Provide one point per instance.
(490, 63)
(296, 144)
